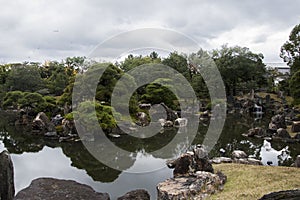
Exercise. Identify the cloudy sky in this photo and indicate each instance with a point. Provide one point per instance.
(42, 30)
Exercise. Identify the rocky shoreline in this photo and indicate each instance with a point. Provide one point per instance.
(193, 178)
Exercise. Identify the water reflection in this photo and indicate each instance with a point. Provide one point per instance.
(52, 162)
(270, 156)
(35, 156)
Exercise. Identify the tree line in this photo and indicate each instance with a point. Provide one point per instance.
(48, 87)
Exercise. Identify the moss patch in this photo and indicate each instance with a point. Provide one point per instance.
(252, 182)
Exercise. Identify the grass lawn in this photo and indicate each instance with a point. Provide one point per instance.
(252, 182)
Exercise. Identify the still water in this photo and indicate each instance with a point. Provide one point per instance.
(35, 156)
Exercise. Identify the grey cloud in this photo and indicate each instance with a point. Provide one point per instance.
(51, 30)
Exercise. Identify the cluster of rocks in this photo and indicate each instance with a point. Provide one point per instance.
(277, 129)
(237, 156)
(248, 103)
(172, 117)
(42, 125)
(193, 177)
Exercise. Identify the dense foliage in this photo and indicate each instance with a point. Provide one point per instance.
(48, 87)
(290, 53)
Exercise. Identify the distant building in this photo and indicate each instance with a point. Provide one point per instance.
(281, 67)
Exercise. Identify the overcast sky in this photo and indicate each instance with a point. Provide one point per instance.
(39, 30)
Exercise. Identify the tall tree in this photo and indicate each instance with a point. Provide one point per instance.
(290, 53)
(290, 50)
(240, 68)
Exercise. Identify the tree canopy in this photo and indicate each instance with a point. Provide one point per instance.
(290, 50)
(240, 68)
(290, 53)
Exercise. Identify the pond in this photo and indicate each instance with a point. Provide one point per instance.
(35, 156)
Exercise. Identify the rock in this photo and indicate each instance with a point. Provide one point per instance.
(50, 188)
(168, 124)
(282, 195)
(282, 133)
(272, 128)
(295, 127)
(297, 161)
(297, 136)
(248, 161)
(255, 132)
(182, 165)
(252, 161)
(181, 122)
(190, 162)
(57, 120)
(42, 123)
(204, 114)
(68, 127)
(237, 154)
(142, 119)
(198, 186)
(51, 134)
(200, 152)
(171, 115)
(7, 188)
(136, 195)
(279, 121)
(219, 160)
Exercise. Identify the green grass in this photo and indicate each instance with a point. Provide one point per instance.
(252, 182)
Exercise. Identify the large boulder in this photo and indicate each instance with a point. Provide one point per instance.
(279, 121)
(198, 186)
(272, 128)
(50, 188)
(295, 127)
(139, 194)
(282, 133)
(255, 132)
(142, 119)
(282, 195)
(191, 162)
(42, 124)
(238, 154)
(68, 127)
(7, 188)
(171, 115)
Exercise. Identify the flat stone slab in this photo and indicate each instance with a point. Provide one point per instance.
(55, 189)
(197, 186)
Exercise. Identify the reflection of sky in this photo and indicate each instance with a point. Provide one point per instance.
(51, 162)
(146, 162)
(267, 153)
(2, 146)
